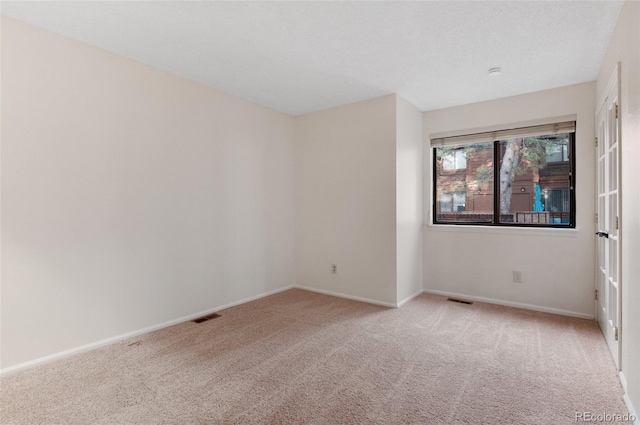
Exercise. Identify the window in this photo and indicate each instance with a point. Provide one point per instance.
(557, 153)
(454, 160)
(515, 177)
(452, 202)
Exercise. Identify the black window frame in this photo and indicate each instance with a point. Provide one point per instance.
(496, 199)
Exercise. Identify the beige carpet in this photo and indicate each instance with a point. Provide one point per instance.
(300, 357)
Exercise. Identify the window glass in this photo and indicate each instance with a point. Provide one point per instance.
(556, 153)
(531, 184)
(446, 202)
(461, 159)
(533, 179)
(459, 202)
(454, 159)
(464, 196)
(448, 162)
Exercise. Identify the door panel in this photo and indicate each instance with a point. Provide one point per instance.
(608, 207)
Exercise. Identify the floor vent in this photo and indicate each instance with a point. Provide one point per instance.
(455, 300)
(205, 318)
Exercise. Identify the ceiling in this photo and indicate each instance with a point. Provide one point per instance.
(300, 57)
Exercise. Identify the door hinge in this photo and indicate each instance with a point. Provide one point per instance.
(617, 113)
(596, 142)
(617, 223)
(596, 218)
(595, 294)
(615, 333)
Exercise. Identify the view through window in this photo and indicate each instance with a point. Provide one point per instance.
(517, 181)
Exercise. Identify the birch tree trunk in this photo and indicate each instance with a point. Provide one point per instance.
(510, 162)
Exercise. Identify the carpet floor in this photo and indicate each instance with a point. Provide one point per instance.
(300, 357)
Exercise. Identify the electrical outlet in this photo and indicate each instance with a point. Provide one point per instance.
(334, 268)
(517, 276)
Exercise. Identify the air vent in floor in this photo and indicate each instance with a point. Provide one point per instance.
(205, 318)
(455, 300)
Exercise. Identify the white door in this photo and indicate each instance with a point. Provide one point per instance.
(608, 295)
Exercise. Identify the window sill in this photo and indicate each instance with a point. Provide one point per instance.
(504, 230)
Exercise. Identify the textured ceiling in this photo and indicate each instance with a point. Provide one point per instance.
(300, 57)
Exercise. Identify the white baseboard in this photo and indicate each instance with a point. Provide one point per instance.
(623, 381)
(409, 298)
(627, 400)
(632, 412)
(87, 347)
(101, 343)
(512, 304)
(349, 297)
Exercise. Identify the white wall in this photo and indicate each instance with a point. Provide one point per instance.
(130, 197)
(556, 265)
(408, 199)
(345, 198)
(625, 48)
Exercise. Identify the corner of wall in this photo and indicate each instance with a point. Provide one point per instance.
(345, 196)
(409, 200)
